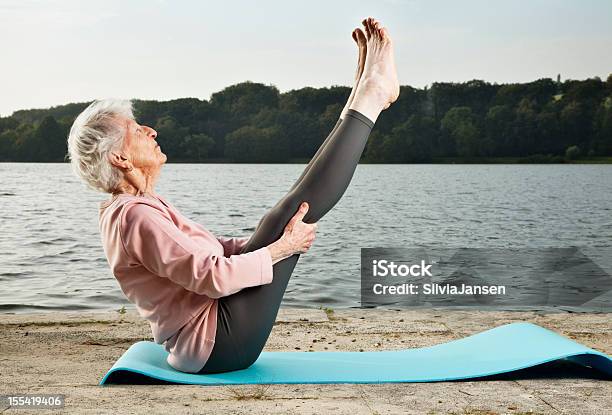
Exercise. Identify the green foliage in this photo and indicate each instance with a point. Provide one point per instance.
(538, 121)
(498, 129)
(541, 159)
(572, 153)
(603, 127)
(241, 101)
(197, 146)
(251, 144)
(49, 140)
(410, 142)
(170, 135)
(460, 132)
(8, 139)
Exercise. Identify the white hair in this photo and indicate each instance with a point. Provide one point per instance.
(93, 135)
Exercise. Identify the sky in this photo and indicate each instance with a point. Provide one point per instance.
(56, 52)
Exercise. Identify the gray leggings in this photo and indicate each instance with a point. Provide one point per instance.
(245, 319)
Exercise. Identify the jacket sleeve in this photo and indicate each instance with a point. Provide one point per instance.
(155, 242)
(232, 246)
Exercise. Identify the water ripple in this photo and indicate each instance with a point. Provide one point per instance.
(51, 256)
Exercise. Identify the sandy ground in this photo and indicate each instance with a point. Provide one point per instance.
(69, 353)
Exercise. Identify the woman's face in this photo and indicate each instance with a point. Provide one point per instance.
(141, 147)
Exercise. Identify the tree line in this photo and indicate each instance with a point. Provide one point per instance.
(542, 121)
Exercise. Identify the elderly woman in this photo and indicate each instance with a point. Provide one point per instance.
(212, 301)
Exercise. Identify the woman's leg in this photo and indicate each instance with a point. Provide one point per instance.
(245, 319)
(360, 40)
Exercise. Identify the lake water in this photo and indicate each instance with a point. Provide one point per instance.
(51, 256)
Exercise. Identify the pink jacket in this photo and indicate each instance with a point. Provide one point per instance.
(174, 270)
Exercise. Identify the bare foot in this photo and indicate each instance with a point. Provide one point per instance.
(378, 87)
(360, 39)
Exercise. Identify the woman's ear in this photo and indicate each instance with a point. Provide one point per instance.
(119, 160)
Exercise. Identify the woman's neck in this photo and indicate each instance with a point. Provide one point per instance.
(133, 191)
(138, 184)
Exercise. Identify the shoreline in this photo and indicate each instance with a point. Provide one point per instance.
(69, 353)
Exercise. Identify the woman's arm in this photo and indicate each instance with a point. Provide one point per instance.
(232, 246)
(155, 242)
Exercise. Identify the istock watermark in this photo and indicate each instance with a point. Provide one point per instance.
(478, 276)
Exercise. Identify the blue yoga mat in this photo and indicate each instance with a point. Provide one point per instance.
(500, 350)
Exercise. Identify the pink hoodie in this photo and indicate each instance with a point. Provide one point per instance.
(174, 270)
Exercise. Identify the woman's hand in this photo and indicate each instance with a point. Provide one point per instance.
(297, 237)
